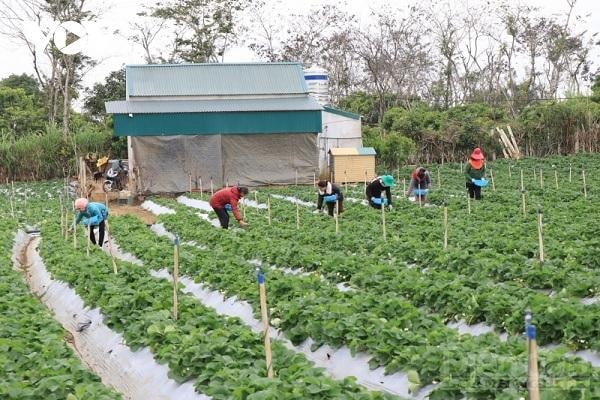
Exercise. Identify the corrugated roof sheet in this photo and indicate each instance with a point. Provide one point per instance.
(305, 103)
(215, 79)
(352, 151)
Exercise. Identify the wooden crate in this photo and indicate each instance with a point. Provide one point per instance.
(352, 165)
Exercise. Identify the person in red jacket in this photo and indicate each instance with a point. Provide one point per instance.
(227, 198)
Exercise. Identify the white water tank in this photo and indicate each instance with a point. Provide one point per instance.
(317, 80)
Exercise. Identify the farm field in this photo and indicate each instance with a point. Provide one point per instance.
(447, 320)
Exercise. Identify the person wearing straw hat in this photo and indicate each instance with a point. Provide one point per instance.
(93, 215)
(330, 194)
(420, 183)
(475, 174)
(377, 186)
(225, 200)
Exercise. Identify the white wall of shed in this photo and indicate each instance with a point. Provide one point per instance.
(338, 131)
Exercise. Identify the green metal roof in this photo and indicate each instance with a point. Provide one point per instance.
(217, 105)
(222, 123)
(215, 79)
(341, 112)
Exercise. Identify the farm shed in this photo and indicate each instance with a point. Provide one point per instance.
(249, 124)
(349, 164)
(340, 129)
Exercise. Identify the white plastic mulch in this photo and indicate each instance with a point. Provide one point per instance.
(134, 374)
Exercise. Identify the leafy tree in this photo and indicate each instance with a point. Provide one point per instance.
(203, 29)
(113, 88)
(20, 113)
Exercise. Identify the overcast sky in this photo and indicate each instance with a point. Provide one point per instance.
(115, 50)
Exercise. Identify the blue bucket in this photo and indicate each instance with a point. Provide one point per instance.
(331, 199)
(420, 192)
(480, 182)
(377, 200)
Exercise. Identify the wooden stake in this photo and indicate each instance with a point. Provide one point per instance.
(556, 178)
(532, 370)
(540, 225)
(383, 219)
(522, 181)
(269, 210)
(468, 202)
(337, 217)
(87, 250)
(584, 184)
(445, 227)
(265, 320)
(523, 203)
(75, 230)
(110, 249)
(297, 216)
(570, 173)
(492, 178)
(11, 197)
(175, 278)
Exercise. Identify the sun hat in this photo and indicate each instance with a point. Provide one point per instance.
(387, 180)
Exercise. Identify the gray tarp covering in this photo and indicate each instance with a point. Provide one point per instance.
(164, 163)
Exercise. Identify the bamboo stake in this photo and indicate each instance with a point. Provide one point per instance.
(532, 366)
(269, 210)
(540, 232)
(337, 217)
(584, 184)
(383, 219)
(523, 203)
(297, 216)
(175, 278)
(570, 173)
(87, 250)
(110, 249)
(12, 195)
(345, 181)
(74, 229)
(556, 178)
(492, 177)
(445, 227)
(265, 320)
(522, 181)
(468, 202)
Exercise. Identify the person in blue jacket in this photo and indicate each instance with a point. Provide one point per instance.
(92, 215)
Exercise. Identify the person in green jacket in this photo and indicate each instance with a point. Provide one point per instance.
(475, 174)
(92, 215)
